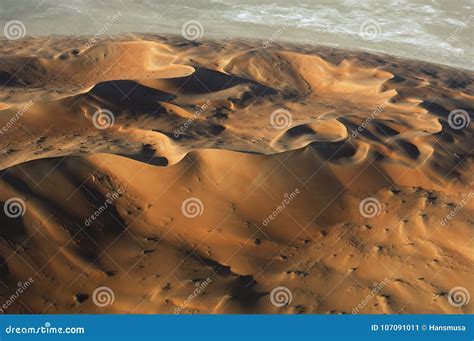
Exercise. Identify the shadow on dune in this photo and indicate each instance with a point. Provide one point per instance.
(334, 150)
(130, 95)
(149, 159)
(204, 81)
(11, 229)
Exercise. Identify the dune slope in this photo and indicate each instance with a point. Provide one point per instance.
(201, 177)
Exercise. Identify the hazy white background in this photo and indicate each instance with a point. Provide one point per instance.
(411, 28)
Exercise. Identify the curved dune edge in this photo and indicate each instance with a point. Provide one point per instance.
(317, 242)
(79, 69)
(242, 130)
(225, 101)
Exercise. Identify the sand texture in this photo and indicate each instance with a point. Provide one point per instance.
(208, 140)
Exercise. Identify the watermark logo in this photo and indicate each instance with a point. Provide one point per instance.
(377, 111)
(192, 30)
(200, 286)
(103, 296)
(111, 197)
(192, 207)
(47, 328)
(16, 117)
(288, 198)
(14, 30)
(103, 119)
(465, 25)
(109, 22)
(14, 208)
(375, 291)
(370, 30)
(278, 33)
(458, 208)
(458, 119)
(281, 119)
(458, 296)
(370, 207)
(281, 296)
(199, 111)
(20, 290)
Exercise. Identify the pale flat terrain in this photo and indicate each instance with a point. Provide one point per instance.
(193, 120)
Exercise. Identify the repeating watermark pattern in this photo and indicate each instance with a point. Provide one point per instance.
(103, 296)
(109, 22)
(200, 286)
(281, 119)
(288, 198)
(458, 119)
(111, 197)
(457, 209)
(20, 290)
(192, 30)
(370, 30)
(278, 33)
(458, 296)
(24, 108)
(377, 111)
(370, 207)
(14, 30)
(103, 119)
(375, 291)
(198, 112)
(461, 28)
(192, 207)
(14, 208)
(281, 296)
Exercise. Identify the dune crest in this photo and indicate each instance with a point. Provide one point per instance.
(146, 124)
(77, 70)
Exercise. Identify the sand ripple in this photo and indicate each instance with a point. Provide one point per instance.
(143, 125)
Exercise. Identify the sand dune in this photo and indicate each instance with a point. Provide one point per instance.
(79, 69)
(143, 125)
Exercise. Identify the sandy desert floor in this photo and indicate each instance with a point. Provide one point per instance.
(146, 174)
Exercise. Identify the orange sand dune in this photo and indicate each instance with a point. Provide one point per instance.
(201, 177)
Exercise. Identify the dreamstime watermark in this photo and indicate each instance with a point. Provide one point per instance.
(103, 119)
(458, 208)
(465, 25)
(377, 111)
(281, 119)
(459, 119)
(46, 329)
(109, 22)
(20, 290)
(14, 208)
(198, 112)
(288, 198)
(111, 197)
(370, 207)
(370, 30)
(200, 286)
(103, 296)
(192, 207)
(278, 33)
(281, 296)
(14, 30)
(375, 291)
(24, 108)
(192, 30)
(458, 296)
